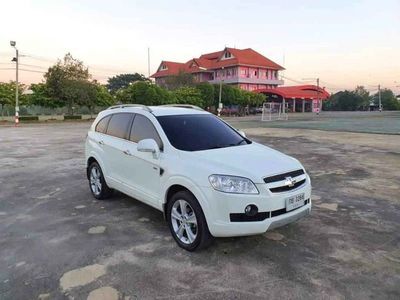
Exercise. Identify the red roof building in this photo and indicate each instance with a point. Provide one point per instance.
(244, 68)
(300, 98)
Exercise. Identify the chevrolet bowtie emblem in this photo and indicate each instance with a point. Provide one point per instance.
(289, 181)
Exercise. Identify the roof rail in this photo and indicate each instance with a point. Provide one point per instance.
(184, 106)
(131, 105)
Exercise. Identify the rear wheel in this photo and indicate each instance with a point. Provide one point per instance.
(97, 183)
(187, 222)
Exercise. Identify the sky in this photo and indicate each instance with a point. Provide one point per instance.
(344, 43)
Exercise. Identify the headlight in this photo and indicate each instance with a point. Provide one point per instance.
(232, 184)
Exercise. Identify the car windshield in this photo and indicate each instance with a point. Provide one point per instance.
(197, 132)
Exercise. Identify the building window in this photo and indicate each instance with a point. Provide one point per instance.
(164, 67)
(227, 54)
(255, 73)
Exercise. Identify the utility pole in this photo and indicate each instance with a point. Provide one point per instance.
(318, 101)
(379, 97)
(148, 61)
(16, 59)
(220, 95)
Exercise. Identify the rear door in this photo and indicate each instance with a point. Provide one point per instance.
(115, 142)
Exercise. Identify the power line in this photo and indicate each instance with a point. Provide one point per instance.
(294, 80)
(26, 70)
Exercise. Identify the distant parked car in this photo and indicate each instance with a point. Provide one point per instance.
(230, 110)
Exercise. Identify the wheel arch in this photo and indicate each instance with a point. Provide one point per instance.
(177, 184)
(93, 158)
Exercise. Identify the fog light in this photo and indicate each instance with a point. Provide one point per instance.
(251, 210)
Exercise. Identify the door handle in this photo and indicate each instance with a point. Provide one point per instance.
(127, 152)
(101, 142)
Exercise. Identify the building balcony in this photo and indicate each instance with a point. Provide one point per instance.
(254, 80)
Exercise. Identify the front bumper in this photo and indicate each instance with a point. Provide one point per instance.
(222, 205)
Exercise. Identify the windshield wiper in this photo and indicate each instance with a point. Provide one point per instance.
(238, 143)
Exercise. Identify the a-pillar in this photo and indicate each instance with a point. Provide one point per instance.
(304, 106)
(294, 104)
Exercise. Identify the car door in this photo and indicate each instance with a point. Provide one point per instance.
(115, 143)
(142, 169)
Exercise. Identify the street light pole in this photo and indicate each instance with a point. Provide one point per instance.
(220, 95)
(16, 59)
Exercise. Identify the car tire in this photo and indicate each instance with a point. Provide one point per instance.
(97, 183)
(187, 222)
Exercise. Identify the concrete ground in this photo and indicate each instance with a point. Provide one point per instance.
(386, 122)
(57, 242)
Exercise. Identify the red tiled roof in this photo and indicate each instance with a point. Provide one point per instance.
(297, 91)
(212, 55)
(214, 60)
(173, 68)
(248, 57)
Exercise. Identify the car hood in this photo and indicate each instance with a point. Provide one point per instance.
(253, 161)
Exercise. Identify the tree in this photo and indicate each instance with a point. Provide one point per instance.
(123, 80)
(41, 96)
(64, 77)
(182, 79)
(388, 100)
(364, 94)
(103, 97)
(344, 100)
(7, 94)
(146, 93)
(188, 95)
(207, 93)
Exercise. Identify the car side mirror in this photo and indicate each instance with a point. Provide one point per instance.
(149, 145)
(241, 132)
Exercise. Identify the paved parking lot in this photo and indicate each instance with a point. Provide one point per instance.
(57, 242)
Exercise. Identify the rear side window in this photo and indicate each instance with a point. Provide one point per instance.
(143, 128)
(102, 124)
(119, 125)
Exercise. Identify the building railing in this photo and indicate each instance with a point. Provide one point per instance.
(238, 79)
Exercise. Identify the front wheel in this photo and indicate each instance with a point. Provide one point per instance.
(187, 222)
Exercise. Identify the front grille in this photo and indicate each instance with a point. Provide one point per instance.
(283, 176)
(286, 188)
(261, 216)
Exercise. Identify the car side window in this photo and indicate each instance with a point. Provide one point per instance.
(143, 128)
(119, 125)
(102, 124)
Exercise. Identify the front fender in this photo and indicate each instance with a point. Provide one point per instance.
(192, 187)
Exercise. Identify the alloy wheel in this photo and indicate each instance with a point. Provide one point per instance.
(184, 221)
(95, 180)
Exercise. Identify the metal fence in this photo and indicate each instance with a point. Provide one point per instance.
(34, 110)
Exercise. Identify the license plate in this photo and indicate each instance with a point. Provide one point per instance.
(294, 202)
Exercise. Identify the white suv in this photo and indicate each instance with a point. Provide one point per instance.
(207, 178)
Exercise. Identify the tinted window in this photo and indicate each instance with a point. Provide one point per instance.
(119, 125)
(143, 128)
(102, 124)
(199, 132)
